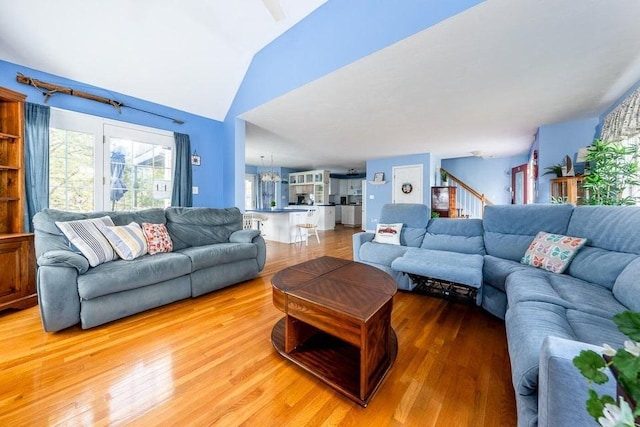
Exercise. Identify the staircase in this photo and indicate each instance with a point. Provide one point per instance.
(469, 202)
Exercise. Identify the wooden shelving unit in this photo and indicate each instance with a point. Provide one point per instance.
(568, 189)
(443, 201)
(17, 259)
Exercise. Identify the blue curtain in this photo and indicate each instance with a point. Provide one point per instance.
(36, 135)
(182, 179)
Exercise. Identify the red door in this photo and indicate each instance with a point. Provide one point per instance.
(520, 185)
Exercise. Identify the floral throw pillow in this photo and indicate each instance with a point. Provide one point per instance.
(388, 233)
(158, 239)
(552, 252)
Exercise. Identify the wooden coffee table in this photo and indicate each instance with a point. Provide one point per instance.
(337, 324)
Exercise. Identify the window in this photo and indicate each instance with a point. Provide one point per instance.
(98, 164)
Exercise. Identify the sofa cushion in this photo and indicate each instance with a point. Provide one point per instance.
(85, 235)
(527, 325)
(221, 253)
(508, 229)
(123, 275)
(443, 265)
(414, 218)
(561, 290)
(157, 237)
(201, 226)
(627, 286)
(456, 235)
(496, 270)
(380, 253)
(127, 241)
(597, 265)
(552, 252)
(388, 233)
(594, 329)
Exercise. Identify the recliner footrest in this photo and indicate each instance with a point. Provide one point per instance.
(446, 272)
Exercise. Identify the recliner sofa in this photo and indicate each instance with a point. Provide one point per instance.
(210, 251)
(549, 317)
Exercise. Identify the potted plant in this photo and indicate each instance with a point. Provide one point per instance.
(613, 171)
(555, 169)
(444, 178)
(624, 363)
(273, 205)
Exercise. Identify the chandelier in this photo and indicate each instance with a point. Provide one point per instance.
(270, 175)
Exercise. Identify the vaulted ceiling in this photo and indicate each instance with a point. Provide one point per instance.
(483, 80)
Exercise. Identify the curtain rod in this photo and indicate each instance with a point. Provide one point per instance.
(50, 89)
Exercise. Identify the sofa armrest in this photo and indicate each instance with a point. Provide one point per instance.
(61, 258)
(243, 236)
(58, 297)
(562, 390)
(358, 240)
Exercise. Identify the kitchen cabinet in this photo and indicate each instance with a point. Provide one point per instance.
(355, 187)
(338, 214)
(351, 215)
(334, 186)
(344, 187)
(326, 217)
(314, 183)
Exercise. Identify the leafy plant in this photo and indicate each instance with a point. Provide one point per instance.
(435, 214)
(559, 200)
(443, 175)
(626, 363)
(614, 169)
(555, 170)
(273, 204)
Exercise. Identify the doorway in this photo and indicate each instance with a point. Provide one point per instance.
(408, 184)
(520, 185)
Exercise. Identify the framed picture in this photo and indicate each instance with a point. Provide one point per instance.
(378, 177)
(195, 160)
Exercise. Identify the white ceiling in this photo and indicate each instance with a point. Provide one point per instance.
(483, 80)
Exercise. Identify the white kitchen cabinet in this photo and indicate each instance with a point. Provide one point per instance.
(344, 187)
(355, 187)
(326, 217)
(338, 214)
(351, 215)
(334, 186)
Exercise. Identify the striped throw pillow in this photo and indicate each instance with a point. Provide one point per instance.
(127, 240)
(85, 236)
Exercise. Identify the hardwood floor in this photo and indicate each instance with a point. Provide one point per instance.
(209, 361)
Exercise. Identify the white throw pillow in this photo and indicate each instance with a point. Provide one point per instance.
(388, 233)
(87, 238)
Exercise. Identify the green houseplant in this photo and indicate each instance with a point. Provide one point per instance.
(555, 170)
(613, 170)
(273, 204)
(625, 364)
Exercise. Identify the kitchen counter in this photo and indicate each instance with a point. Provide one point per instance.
(280, 224)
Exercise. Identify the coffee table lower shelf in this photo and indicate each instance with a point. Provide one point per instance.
(335, 362)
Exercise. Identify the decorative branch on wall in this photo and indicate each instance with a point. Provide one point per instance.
(50, 89)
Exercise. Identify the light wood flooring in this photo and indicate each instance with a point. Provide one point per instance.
(209, 361)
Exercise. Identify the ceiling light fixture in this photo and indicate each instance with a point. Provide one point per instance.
(270, 175)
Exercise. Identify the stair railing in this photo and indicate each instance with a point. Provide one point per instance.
(469, 202)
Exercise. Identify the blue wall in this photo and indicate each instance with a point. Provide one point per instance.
(334, 35)
(558, 140)
(205, 134)
(383, 194)
(491, 177)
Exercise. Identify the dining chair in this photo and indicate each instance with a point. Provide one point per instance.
(310, 225)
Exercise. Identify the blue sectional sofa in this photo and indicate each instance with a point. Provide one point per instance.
(210, 251)
(549, 317)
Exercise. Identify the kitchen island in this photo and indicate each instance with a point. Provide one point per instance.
(280, 225)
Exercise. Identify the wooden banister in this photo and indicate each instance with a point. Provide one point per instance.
(466, 187)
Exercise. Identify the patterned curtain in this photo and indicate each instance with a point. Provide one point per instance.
(623, 121)
(36, 135)
(182, 194)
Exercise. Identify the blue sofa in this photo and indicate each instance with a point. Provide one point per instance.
(549, 317)
(210, 251)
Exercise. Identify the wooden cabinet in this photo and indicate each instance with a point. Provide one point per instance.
(443, 201)
(17, 264)
(567, 189)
